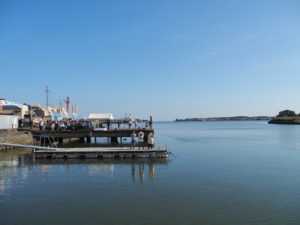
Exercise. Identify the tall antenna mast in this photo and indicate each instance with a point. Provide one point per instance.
(47, 96)
(68, 101)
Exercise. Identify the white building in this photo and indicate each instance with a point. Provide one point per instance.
(8, 122)
(16, 108)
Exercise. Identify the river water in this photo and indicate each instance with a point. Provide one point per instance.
(235, 173)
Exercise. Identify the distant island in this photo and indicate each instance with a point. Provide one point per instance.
(231, 118)
(286, 117)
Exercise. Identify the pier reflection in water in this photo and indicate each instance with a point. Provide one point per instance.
(14, 168)
(141, 171)
(139, 168)
(12, 171)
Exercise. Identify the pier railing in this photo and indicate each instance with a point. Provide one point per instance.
(33, 147)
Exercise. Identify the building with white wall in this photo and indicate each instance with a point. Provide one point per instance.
(8, 121)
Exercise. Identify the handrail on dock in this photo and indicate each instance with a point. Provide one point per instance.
(33, 147)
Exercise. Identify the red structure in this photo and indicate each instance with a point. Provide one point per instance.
(68, 101)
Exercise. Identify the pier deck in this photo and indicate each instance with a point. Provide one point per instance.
(88, 133)
(109, 152)
(85, 135)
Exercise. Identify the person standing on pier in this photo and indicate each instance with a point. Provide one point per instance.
(150, 122)
(151, 140)
(141, 139)
(52, 126)
(41, 124)
(133, 135)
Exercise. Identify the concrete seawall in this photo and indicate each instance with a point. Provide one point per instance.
(15, 137)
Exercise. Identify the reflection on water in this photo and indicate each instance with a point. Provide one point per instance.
(14, 169)
(104, 169)
(141, 171)
(10, 172)
(223, 173)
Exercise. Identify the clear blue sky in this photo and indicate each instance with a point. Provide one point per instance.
(172, 59)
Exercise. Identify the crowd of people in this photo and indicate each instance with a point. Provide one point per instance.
(83, 124)
(136, 124)
(140, 139)
(65, 125)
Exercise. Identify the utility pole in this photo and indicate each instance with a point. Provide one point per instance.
(47, 95)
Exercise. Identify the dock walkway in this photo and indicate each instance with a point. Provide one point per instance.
(108, 152)
(93, 152)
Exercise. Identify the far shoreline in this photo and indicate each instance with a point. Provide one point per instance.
(232, 118)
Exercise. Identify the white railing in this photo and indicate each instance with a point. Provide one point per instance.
(26, 146)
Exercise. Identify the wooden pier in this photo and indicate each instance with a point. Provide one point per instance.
(90, 133)
(112, 135)
(109, 152)
(93, 152)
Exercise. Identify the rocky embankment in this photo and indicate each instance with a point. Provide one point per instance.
(291, 121)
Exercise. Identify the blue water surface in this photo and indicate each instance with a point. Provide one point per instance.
(235, 173)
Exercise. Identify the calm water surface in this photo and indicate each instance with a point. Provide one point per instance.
(235, 173)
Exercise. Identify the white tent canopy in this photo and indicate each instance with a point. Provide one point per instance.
(100, 116)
